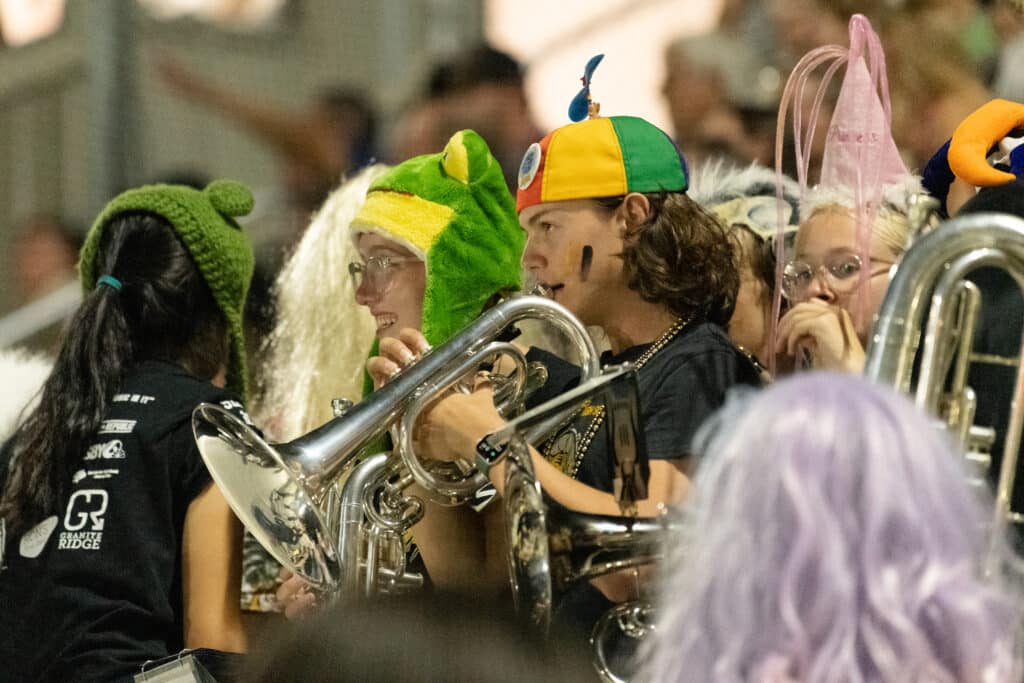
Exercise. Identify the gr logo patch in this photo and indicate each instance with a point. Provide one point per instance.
(86, 507)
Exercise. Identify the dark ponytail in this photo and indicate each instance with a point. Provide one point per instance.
(163, 311)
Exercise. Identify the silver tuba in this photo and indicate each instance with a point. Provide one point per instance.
(931, 279)
(280, 492)
(550, 548)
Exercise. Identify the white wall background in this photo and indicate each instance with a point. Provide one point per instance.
(56, 137)
(555, 39)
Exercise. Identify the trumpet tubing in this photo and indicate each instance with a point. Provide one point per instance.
(930, 280)
(279, 491)
(551, 548)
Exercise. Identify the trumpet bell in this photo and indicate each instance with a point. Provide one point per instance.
(267, 495)
(281, 500)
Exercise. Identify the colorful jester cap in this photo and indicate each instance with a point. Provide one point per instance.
(600, 157)
(455, 212)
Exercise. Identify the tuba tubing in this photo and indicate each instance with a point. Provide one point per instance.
(890, 354)
(926, 281)
(632, 619)
(550, 547)
(350, 519)
(278, 491)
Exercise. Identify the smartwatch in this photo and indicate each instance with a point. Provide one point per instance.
(487, 455)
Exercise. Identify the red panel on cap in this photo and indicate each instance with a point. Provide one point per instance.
(532, 194)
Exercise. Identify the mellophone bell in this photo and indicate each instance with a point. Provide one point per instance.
(338, 521)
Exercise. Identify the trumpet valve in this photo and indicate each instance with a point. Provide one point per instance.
(340, 406)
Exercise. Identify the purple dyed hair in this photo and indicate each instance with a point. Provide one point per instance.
(831, 536)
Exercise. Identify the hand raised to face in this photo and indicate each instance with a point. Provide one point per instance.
(825, 332)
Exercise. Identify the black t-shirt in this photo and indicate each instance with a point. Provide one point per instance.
(94, 592)
(561, 376)
(680, 386)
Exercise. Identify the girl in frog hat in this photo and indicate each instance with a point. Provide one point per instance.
(438, 242)
(304, 367)
(115, 547)
(614, 237)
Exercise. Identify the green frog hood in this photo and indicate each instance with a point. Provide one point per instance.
(455, 212)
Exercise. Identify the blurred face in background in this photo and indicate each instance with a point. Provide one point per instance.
(748, 326)
(43, 259)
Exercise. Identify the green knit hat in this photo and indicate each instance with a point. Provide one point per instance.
(205, 222)
(454, 211)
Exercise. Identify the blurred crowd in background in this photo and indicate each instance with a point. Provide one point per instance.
(721, 88)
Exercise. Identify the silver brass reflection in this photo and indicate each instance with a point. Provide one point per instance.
(930, 298)
(279, 492)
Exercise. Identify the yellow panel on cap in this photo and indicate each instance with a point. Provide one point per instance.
(411, 219)
(584, 160)
(455, 159)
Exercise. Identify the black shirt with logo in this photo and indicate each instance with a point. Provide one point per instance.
(94, 592)
(680, 386)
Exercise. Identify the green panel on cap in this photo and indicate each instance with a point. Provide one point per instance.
(653, 162)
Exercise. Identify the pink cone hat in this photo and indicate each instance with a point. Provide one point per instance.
(860, 156)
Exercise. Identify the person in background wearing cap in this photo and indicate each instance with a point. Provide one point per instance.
(613, 236)
(115, 547)
(997, 187)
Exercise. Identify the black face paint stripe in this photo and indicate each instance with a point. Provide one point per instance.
(585, 260)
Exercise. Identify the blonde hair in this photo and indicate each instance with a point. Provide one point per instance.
(890, 227)
(317, 350)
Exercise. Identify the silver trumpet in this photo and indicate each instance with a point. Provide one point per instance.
(930, 279)
(281, 492)
(550, 547)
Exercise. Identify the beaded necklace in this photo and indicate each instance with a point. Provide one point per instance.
(759, 367)
(598, 412)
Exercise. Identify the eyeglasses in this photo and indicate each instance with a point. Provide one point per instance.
(377, 271)
(840, 273)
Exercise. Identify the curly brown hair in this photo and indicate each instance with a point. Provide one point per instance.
(682, 257)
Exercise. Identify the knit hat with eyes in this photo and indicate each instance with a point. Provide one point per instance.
(455, 212)
(205, 222)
